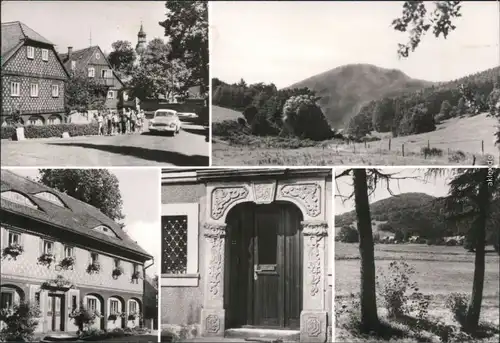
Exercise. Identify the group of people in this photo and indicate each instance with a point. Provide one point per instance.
(124, 122)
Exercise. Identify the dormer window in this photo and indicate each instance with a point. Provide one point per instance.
(30, 52)
(50, 197)
(73, 65)
(91, 72)
(45, 55)
(19, 199)
(105, 230)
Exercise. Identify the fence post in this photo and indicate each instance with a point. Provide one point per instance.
(473, 160)
(389, 144)
(428, 145)
(482, 146)
(365, 144)
(403, 149)
(354, 147)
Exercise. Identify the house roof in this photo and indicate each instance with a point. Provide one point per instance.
(78, 217)
(13, 36)
(82, 58)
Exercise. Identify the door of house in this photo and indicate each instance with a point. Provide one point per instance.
(265, 266)
(55, 312)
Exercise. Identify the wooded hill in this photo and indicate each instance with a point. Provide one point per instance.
(416, 213)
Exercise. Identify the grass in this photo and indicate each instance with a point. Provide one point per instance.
(439, 271)
(459, 139)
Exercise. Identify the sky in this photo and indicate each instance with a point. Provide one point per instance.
(415, 182)
(71, 23)
(287, 42)
(141, 206)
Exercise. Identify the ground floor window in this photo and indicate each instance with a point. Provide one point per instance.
(7, 299)
(36, 120)
(54, 120)
(114, 306)
(132, 306)
(92, 304)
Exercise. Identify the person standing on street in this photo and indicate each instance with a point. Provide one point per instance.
(109, 122)
(99, 123)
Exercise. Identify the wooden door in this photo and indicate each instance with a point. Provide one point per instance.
(264, 285)
(54, 312)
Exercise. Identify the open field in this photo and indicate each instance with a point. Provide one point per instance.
(439, 271)
(467, 135)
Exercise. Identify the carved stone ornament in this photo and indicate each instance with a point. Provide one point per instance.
(215, 235)
(309, 195)
(313, 326)
(223, 197)
(264, 193)
(314, 233)
(212, 323)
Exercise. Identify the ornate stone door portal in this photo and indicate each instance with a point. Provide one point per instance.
(308, 194)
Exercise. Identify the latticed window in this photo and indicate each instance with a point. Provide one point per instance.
(174, 244)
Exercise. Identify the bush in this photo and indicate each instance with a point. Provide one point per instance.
(431, 151)
(348, 234)
(93, 334)
(457, 304)
(20, 322)
(83, 317)
(399, 294)
(351, 308)
(7, 132)
(457, 156)
(249, 113)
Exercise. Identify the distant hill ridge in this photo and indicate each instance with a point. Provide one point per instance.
(345, 89)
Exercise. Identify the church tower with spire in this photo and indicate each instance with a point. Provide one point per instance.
(141, 41)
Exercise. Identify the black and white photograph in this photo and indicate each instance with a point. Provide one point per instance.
(246, 255)
(417, 255)
(105, 83)
(355, 83)
(80, 255)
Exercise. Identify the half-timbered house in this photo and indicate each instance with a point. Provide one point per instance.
(33, 77)
(93, 63)
(246, 253)
(59, 252)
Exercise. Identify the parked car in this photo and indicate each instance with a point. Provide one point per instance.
(165, 121)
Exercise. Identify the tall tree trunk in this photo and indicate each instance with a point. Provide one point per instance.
(369, 316)
(474, 309)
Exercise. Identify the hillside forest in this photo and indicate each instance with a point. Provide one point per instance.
(301, 112)
(422, 215)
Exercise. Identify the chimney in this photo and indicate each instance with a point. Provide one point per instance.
(70, 50)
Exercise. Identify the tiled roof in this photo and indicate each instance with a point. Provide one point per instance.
(81, 57)
(14, 32)
(79, 217)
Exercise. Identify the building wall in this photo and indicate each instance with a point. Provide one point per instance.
(26, 266)
(182, 305)
(43, 104)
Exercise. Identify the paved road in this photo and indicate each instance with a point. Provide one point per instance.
(188, 148)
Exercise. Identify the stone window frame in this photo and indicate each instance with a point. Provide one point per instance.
(192, 277)
(45, 55)
(30, 52)
(56, 93)
(12, 293)
(13, 88)
(91, 72)
(6, 236)
(106, 73)
(119, 307)
(111, 94)
(70, 249)
(132, 301)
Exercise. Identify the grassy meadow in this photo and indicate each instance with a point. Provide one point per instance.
(456, 134)
(439, 271)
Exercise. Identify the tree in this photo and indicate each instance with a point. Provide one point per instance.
(122, 58)
(186, 25)
(472, 192)
(383, 115)
(96, 187)
(445, 109)
(348, 234)
(365, 182)
(461, 108)
(84, 93)
(158, 75)
(302, 117)
(417, 20)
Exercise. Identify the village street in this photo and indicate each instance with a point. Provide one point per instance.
(188, 148)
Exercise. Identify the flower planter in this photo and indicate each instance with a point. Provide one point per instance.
(67, 263)
(46, 260)
(93, 268)
(12, 251)
(117, 272)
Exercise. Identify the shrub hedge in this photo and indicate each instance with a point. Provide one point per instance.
(47, 131)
